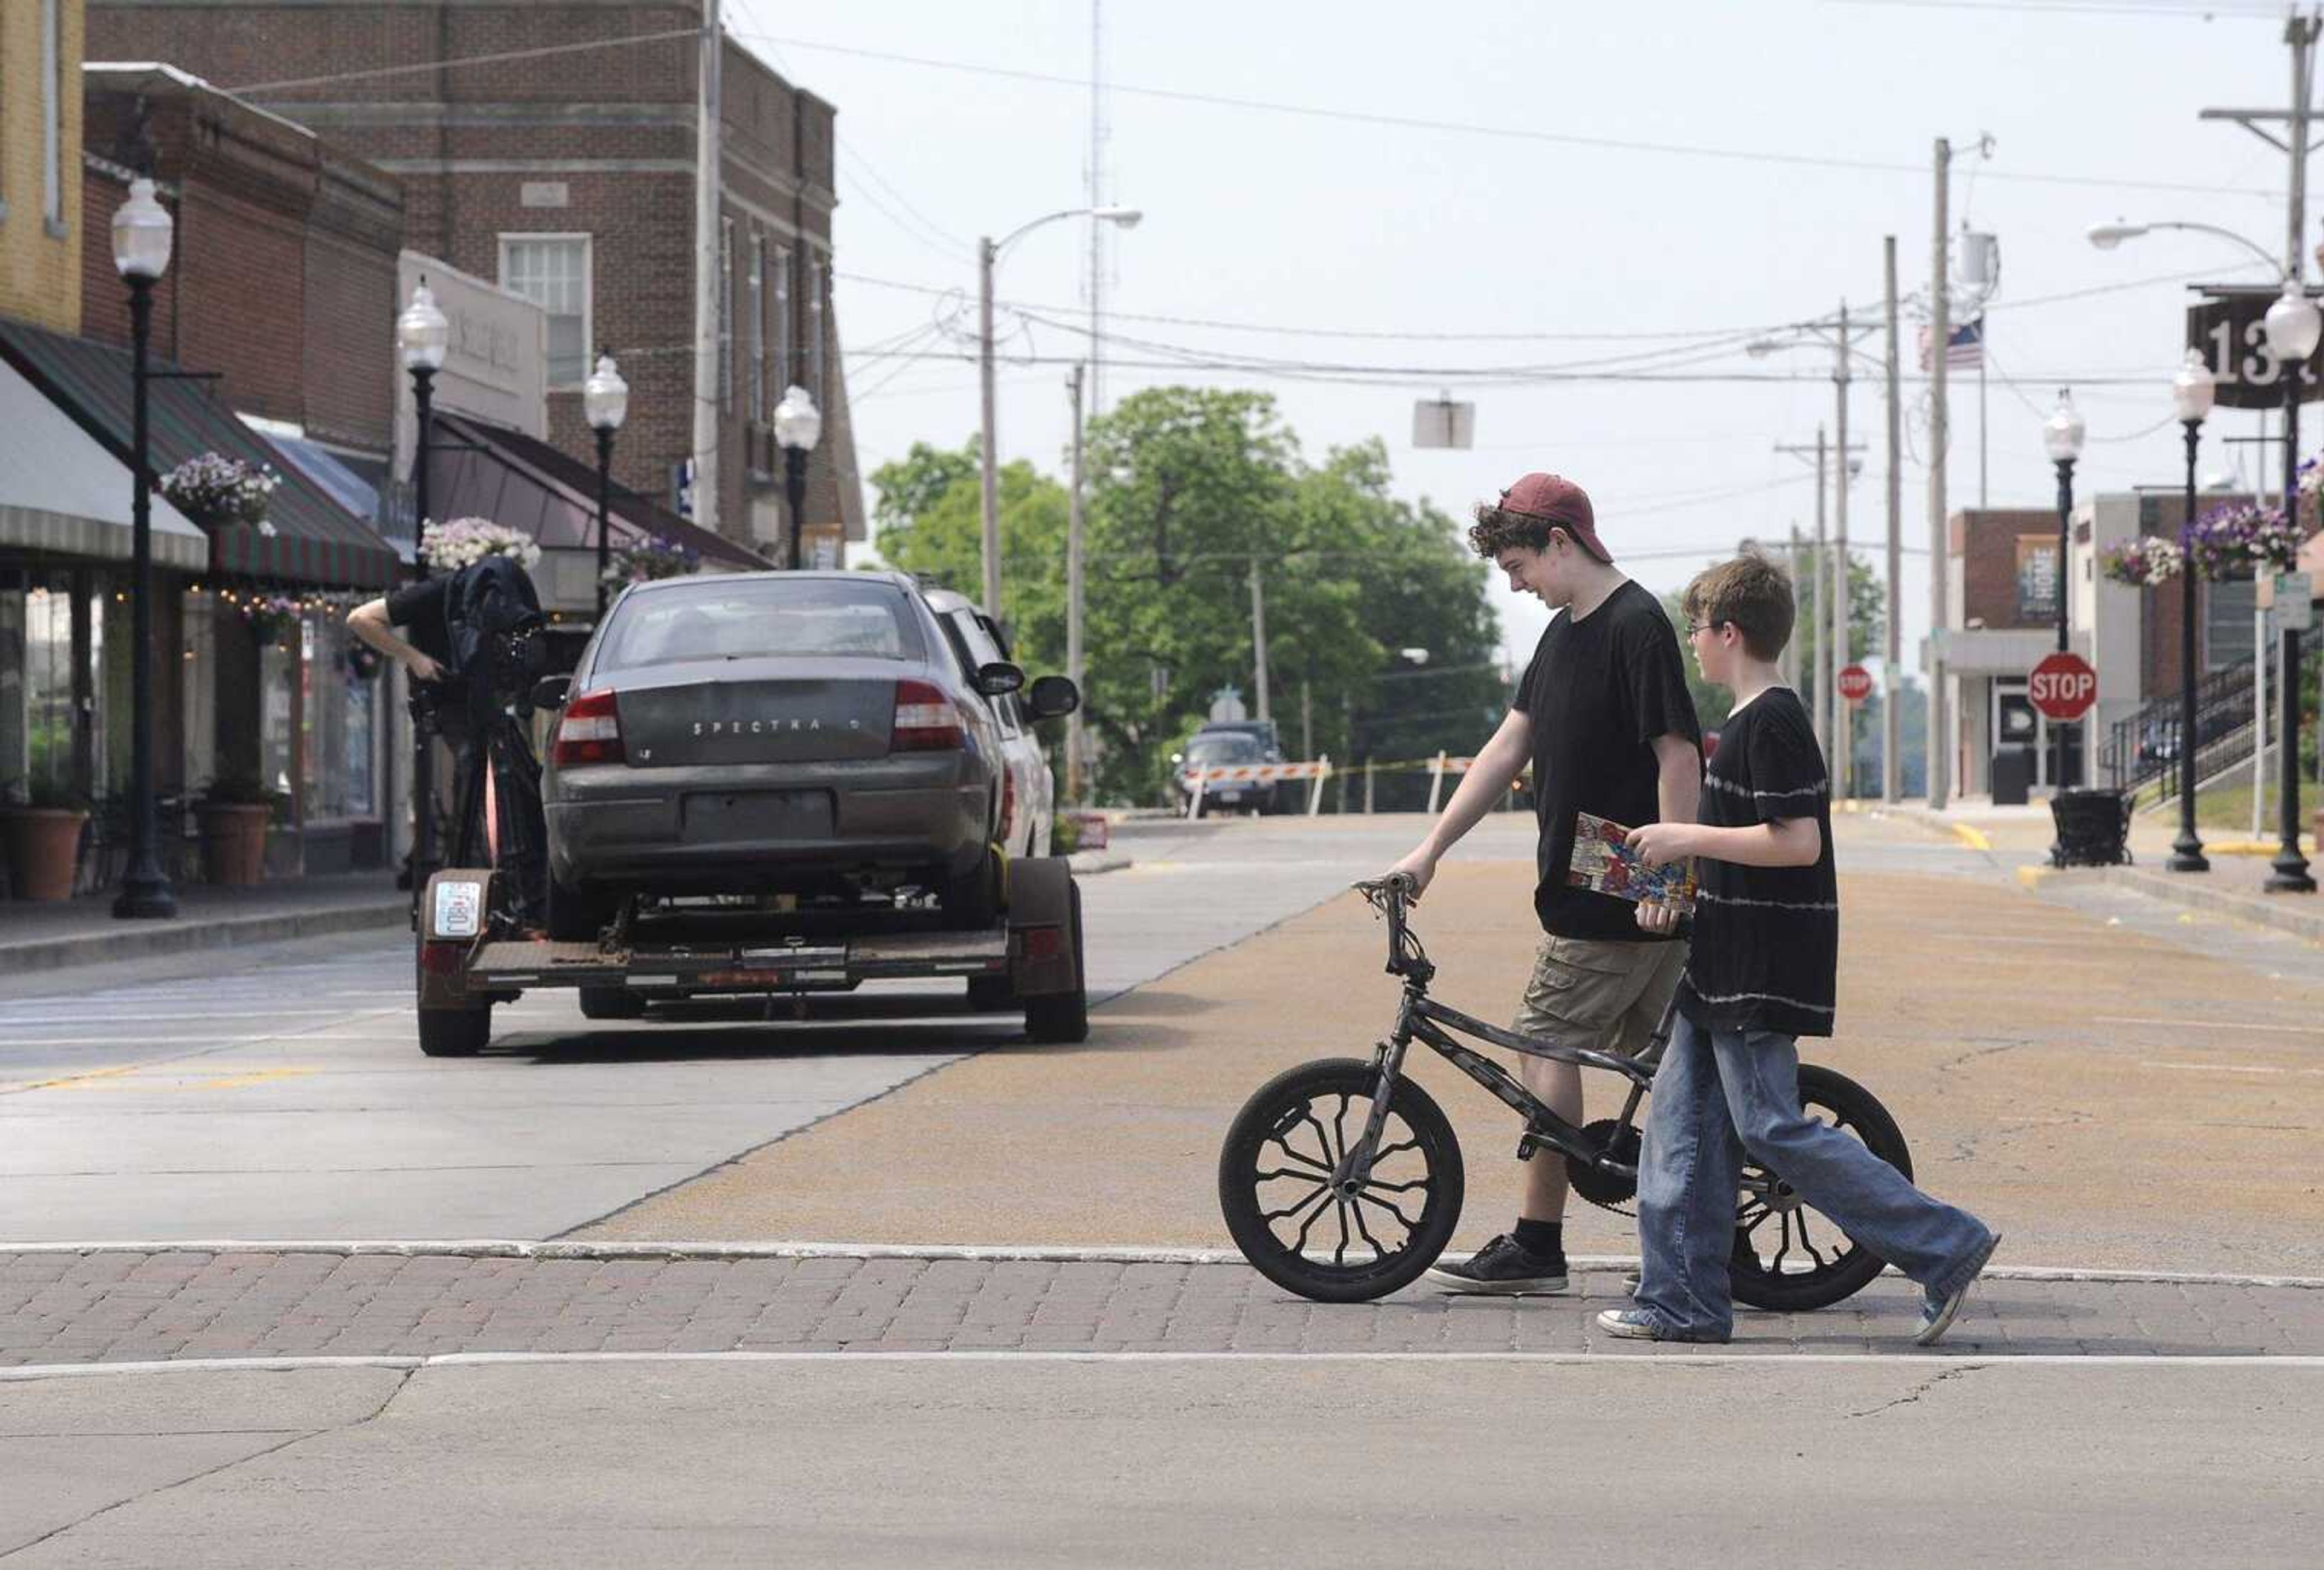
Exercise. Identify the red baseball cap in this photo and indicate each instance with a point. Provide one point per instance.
(1554, 499)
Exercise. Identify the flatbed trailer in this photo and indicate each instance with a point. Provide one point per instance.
(473, 955)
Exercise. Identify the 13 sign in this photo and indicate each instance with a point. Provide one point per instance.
(2229, 326)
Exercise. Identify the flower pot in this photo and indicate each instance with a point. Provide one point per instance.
(233, 844)
(44, 847)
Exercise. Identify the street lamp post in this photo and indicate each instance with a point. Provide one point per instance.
(988, 258)
(2061, 436)
(2294, 328)
(2191, 393)
(422, 338)
(798, 426)
(605, 401)
(141, 252)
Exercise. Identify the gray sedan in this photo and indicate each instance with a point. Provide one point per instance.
(794, 733)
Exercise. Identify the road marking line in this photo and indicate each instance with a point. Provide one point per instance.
(610, 1248)
(2229, 1068)
(2310, 1031)
(1905, 1357)
(1970, 836)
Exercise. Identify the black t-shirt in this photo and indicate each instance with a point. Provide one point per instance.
(423, 609)
(1766, 939)
(1599, 691)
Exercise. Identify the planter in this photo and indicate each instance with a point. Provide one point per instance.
(233, 844)
(44, 847)
(2093, 828)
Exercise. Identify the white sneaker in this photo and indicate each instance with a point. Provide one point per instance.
(1938, 1314)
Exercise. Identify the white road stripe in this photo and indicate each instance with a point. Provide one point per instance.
(2315, 1032)
(1903, 1358)
(2229, 1068)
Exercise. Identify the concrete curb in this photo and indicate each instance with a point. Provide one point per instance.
(516, 1249)
(1089, 863)
(2296, 914)
(148, 939)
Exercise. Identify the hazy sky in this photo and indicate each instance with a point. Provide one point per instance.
(1486, 246)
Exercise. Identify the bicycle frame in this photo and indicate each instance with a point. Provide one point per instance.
(1420, 1018)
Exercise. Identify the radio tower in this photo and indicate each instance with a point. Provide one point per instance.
(1097, 226)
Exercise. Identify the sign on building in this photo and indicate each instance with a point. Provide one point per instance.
(2037, 577)
(2229, 326)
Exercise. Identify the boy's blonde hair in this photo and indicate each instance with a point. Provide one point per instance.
(1752, 592)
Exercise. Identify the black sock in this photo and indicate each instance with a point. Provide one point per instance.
(1545, 1238)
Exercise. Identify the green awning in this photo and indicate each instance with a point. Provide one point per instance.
(314, 541)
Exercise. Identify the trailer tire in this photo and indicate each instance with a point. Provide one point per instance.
(1058, 1018)
(612, 1003)
(454, 1032)
(990, 994)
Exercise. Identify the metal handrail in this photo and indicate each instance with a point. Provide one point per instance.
(2145, 747)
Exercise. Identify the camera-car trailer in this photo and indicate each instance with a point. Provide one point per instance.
(472, 953)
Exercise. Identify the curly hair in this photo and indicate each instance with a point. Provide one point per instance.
(1753, 594)
(1498, 528)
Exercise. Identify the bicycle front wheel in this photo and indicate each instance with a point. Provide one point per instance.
(1310, 1237)
(1790, 1258)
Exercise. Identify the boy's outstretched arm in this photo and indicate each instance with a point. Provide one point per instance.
(1678, 798)
(1498, 763)
(1786, 842)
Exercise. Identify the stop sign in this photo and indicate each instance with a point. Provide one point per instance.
(2063, 687)
(1854, 683)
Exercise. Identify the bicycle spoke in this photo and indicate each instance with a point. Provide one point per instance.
(1305, 1160)
(1331, 1158)
(1420, 1183)
(1340, 1254)
(1822, 1264)
(1378, 1251)
(1385, 1151)
(1299, 1245)
(1783, 1249)
(1340, 1123)
(1296, 1205)
(1410, 1224)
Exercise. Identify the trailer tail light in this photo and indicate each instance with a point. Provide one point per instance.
(1008, 803)
(926, 720)
(590, 731)
(1045, 943)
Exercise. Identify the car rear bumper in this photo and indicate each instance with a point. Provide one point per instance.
(747, 830)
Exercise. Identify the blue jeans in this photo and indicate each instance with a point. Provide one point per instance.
(1719, 1095)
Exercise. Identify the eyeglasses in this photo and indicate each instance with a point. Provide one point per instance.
(1694, 627)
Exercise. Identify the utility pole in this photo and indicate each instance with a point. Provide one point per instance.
(1799, 576)
(1892, 683)
(1820, 576)
(1843, 715)
(1940, 747)
(706, 408)
(1259, 638)
(992, 501)
(1097, 199)
(1076, 739)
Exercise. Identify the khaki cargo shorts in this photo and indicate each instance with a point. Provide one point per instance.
(1602, 995)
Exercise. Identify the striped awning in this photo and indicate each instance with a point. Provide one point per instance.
(315, 541)
(62, 492)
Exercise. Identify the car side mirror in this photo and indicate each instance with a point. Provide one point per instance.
(551, 691)
(1000, 678)
(1053, 697)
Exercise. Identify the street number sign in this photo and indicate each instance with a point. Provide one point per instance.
(2229, 326)
(2063, 687)
(1854, 683)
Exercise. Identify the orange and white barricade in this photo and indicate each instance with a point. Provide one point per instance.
(1202, 779)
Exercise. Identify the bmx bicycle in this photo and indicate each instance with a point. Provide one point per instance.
(1359, 1143)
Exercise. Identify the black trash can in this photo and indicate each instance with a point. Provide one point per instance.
(2093, 828)
(2011, 776)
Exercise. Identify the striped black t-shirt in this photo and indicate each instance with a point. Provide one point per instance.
(1766, 939)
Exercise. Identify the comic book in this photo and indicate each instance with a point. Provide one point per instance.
(1603, 863)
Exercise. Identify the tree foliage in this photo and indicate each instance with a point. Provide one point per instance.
(1189, 488)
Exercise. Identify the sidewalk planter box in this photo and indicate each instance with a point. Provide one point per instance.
(233, 845)
(44, 847)
(2093, 828)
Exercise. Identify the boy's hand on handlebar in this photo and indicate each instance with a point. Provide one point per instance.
(1660, 844)
(1657, 919)
(1420, 866)
(425, 667)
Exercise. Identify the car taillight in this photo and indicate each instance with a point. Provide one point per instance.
(926, 720)
(590, 731)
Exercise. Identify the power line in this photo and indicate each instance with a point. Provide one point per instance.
(1508, 133)
(503, 58)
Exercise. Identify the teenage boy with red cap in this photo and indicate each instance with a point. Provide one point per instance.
(1604, 718)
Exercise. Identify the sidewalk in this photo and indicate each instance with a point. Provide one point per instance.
(2235, 885)
(85, 931)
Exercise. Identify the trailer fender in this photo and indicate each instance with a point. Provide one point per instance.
(455, 918)
(1041, 926)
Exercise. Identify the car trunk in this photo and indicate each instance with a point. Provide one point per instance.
(754, 712)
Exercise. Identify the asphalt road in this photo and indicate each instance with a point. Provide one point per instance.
(275, 1093)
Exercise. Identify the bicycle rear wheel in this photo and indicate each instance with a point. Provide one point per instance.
(1781, 1262)
(1308, 1237)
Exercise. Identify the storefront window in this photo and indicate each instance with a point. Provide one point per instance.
(338, 743)
(197, 687)
(277, 668)
(36, 684)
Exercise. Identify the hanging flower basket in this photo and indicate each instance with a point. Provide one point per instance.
(2239, 540)
(2143, 563)
(644, 561)
(272, 620)
(215, 491)
(464, 542)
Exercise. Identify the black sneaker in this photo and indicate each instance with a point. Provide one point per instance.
(1503, 1267)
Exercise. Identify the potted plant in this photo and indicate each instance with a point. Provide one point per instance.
(234, 813)
(41, 824)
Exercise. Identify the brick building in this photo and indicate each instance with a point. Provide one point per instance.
(570, 178)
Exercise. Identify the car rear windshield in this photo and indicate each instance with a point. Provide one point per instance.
(760, 618)
(1228, 749)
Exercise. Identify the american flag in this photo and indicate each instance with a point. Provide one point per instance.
(1964, 346)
